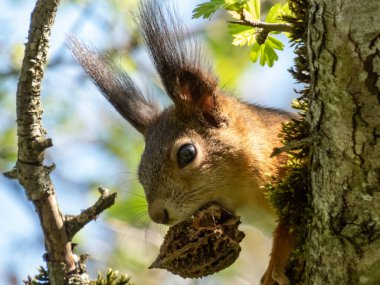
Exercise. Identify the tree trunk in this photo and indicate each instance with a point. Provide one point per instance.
(343, 244)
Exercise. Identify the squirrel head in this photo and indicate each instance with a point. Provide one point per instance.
(195, 149)
(188, 161)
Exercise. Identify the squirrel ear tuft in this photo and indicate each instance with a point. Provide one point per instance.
(116, 86)
(197, 89)
(178, 59)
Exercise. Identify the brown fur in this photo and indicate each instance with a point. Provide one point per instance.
(233, 139)
(232, 164)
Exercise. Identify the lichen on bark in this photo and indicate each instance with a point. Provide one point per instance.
(345, 115)
(30, 170)
(340, 225)
(32, 174)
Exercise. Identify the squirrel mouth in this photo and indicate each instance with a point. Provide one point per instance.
(214, 207)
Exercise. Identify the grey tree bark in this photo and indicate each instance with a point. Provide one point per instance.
(343, 244)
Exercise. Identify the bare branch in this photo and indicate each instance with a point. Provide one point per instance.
(30, 171)
(263, 28)
(267, 27)
(76, 223)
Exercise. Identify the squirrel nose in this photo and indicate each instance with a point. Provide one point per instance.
(158, 213)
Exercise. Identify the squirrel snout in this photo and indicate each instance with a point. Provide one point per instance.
(158, 213)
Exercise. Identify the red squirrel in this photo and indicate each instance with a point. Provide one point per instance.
(207, 146)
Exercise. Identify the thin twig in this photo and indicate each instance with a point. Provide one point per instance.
(267, 27)
(75, 223)
(263, 28)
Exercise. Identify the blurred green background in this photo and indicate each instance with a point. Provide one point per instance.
(94, 146)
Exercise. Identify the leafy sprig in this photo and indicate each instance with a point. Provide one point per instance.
(247, 29)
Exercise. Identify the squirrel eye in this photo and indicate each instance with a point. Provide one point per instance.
(186, 154)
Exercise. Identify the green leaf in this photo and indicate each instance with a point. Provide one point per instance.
(206, 10)
(253, 9)
(270, 55)
(273, 13)
(274, 43)
(242, 35)
(255, 52)
(265, 53)
(234, 5)
(276, 12)
(231, 2)
(285, 9)
(263, 56)
(234, 14)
